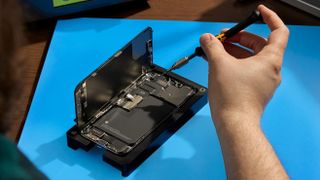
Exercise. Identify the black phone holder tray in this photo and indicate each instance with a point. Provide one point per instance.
(130, 107)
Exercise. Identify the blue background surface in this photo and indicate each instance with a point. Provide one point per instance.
(291, 120)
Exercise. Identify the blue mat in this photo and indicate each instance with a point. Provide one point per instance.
(291, 121)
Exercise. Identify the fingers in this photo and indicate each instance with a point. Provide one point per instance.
(236, 51)
(279, 32)
(249, 40)
(213, 48)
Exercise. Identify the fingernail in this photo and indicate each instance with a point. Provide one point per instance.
(206, 38)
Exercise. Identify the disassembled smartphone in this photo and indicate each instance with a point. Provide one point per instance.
(130, 107)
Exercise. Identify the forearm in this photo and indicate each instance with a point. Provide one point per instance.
(241, 83)
(247, 153)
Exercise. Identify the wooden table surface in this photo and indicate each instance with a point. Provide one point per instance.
(38, 34)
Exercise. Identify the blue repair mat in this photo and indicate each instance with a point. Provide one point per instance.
(78, 46)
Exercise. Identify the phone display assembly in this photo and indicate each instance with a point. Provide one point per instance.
(129, 107)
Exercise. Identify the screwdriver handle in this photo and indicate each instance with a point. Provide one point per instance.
(254, 17)
(199, 51)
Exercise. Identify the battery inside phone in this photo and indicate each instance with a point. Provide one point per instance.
(136, 112)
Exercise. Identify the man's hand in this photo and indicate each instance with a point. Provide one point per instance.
(241, 82)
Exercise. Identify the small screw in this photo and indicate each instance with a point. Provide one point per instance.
(202, 89)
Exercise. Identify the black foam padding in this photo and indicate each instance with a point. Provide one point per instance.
(129, 126)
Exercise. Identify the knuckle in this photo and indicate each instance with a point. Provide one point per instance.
(268, 17)
(277, 67)
(276, 78)
(285, 33)
(276, 62)
(272, 70)
(285, 30)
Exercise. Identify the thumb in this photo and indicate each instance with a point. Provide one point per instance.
(213, 48)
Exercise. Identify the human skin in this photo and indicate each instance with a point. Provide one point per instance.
(241, 83)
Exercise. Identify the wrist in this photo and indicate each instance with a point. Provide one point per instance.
(230, 118)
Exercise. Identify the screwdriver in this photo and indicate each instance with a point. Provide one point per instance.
(254, 17)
